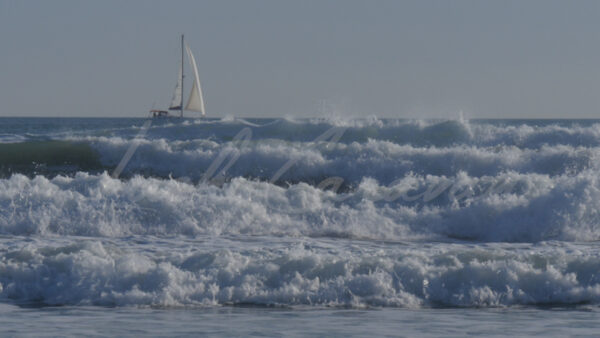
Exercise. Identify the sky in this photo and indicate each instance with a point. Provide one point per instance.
(275, 58)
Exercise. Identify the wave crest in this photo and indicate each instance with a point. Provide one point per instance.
(509, 207)
(161, 273)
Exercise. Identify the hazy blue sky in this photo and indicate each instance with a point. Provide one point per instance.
(304, 58)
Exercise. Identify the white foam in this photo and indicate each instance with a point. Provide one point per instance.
(519, 208)
(316, 273)
(11, 138)
(383, 160)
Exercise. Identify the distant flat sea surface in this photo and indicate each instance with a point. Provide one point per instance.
(324, 226)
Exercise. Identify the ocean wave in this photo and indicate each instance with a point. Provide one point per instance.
(307, 273)
(510, 207)
(309, 161)
(47, 157)
(312, 162)
(11, 138)
(440, 133)
(265, 212)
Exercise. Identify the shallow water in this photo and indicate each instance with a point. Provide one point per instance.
(266, 322)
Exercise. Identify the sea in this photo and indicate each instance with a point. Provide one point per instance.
(299, 227)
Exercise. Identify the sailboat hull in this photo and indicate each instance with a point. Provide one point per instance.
(161, 114)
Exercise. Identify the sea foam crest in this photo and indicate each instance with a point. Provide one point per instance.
(510, 207)
(161, 273)
(312, 162)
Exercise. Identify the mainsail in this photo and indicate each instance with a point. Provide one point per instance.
(195, 101)
(177, 100)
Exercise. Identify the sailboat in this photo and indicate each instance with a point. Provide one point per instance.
(195, 100)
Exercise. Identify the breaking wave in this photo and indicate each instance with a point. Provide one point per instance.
(313, 212)
(510, 207)
(307, 273)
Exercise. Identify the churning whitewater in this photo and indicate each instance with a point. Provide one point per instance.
(311, 212)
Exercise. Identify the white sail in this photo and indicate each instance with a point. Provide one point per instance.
(195, 101)
(176, 101)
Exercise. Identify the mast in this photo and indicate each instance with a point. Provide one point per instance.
(182, 76)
